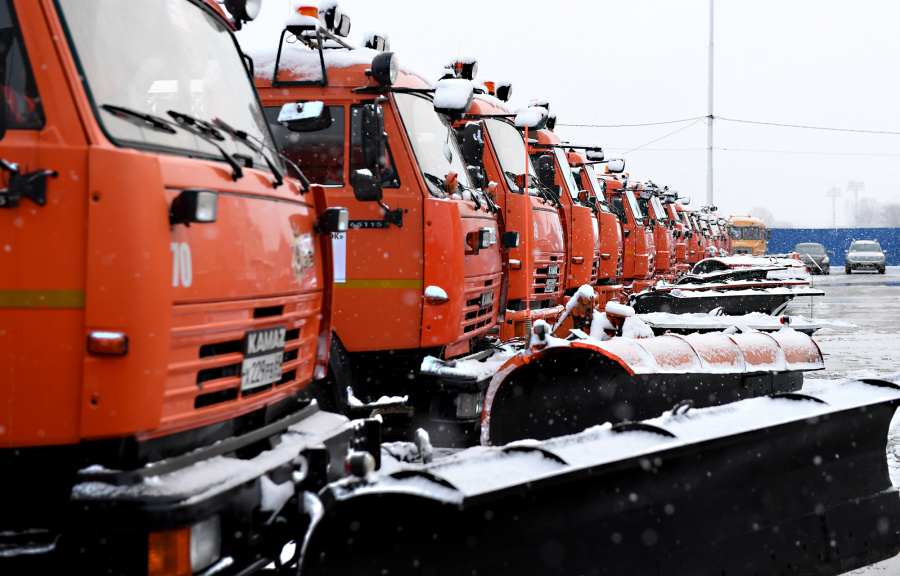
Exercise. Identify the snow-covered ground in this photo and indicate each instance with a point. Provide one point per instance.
(872, 350)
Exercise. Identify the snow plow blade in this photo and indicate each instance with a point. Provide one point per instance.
(563, 389)
(764, 486)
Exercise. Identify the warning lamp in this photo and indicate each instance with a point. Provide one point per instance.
(466, 68)
(311, 11)
(491, 87)
(107, 343)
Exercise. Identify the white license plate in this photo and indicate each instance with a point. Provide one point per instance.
(550, 286)
(263, 355)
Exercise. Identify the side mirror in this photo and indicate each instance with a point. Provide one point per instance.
(473, 143)
(366, 187)
(547, 170)
(768, 234)
(453, 97)
(616, 165)
(374, 144)
(305, 116)
(828, 252)
(533, 118)
(595, 155)
(584, 196)
(510, 239)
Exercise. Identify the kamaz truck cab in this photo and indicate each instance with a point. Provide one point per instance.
(164, 296)
(493, 142)
(638, 249)
(418, 273)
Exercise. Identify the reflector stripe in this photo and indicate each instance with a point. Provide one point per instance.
(41, 298)
(401, 284)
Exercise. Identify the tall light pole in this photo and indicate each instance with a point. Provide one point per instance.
(855, 186)
(833, 193)
(709, 129)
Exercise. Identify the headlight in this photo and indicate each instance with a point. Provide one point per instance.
(825, 260)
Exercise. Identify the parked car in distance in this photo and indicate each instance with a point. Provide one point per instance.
(864, 255)
(815, 257)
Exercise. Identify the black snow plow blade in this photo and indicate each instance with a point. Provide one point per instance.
(782, 485)
(734, 302)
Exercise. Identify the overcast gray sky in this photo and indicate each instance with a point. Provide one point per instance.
(818, 63)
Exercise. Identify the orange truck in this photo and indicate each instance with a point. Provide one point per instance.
(419, 271)
(537, 265)
(164, 297)
(638, 249)
(608, 266)
(657, 219)
(581, 229)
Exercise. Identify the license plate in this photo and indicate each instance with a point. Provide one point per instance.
(553, 270)
(263, 354)
(486, 299)
(550, 286)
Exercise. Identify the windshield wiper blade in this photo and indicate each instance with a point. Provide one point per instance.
(243, 137)
(140, 118)
(209, 133)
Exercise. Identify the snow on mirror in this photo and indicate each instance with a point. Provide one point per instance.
(533, 118)
(616, 165)
(453, 96)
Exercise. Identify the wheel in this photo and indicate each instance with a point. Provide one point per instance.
(848, 270)
(881, 271)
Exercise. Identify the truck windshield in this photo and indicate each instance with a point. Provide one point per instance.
(509, 146)
(635, 209)
(433, 142)
(746, 233)
(181, 58)
(566, 171)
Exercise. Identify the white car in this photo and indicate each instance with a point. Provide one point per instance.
(863, 255)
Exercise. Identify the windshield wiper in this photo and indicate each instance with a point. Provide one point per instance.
(440, 183)
(243, 137)
(140, 118)
(209, 133)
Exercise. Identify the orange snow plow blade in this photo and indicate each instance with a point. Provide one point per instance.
(570, 385)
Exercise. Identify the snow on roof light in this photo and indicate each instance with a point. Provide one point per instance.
(303, 13)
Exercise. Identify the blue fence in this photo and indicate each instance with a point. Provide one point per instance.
(837, 240)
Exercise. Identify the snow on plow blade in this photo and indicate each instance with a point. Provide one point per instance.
(564, 389)
(763, 486)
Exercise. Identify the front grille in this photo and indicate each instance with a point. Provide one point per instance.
(477, 314)
(545, 284)
(204, 375)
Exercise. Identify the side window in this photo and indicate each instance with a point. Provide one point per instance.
(319, 153)
(23, 105)
(389, 176)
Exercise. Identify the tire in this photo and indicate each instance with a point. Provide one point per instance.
(848, 270)
(881, 270)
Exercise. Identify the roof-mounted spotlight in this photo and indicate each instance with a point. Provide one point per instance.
(385, 68)
(541, 103)
(242, 10)
(465, 68)
(378, 42)
(551, 121)
(504, 91)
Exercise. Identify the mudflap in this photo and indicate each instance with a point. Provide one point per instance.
(567, 389)
(765, 486)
